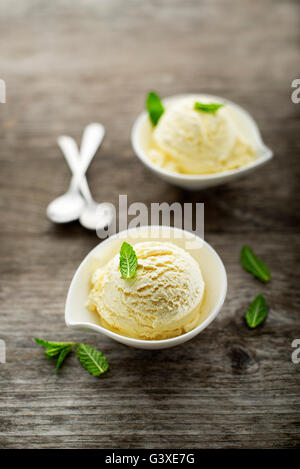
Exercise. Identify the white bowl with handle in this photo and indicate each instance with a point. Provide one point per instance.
(141, 135)
(77, 316)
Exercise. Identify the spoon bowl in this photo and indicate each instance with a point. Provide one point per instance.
(66, 208)
(96, 216)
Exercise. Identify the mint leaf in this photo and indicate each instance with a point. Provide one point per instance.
(92, 359)
(63, 354)
(256, 312)
(211, 107)
(48, 344)
(128, 261)
(54, 349)
(254, 265)
(154, 107)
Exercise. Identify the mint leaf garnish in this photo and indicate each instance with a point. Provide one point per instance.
(128, 261)
(154, 107)
(211, 107)
(254, 265)
(92, 359)
(256, 312)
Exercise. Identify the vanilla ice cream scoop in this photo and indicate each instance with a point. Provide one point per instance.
(192, 141)
(163, 300)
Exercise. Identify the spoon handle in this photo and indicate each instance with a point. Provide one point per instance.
(91, 140)
(69, 149)
(92, 137)
(85, 190)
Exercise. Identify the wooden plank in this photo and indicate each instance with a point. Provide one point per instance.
(70, 65)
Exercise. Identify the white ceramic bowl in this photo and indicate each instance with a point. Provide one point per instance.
(212, 268)
(141, 133)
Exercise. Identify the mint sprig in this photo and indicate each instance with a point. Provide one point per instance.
(256, 312)
(56, 349)
(210, 107)
(90, 358)
(154, 107)
(254, 265)
(128, 261)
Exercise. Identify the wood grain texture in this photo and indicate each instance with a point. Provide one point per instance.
(68, 63)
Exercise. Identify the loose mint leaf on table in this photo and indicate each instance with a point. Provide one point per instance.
(254, 265)
(128, 261)
(48, 344)
(154, 107)
(54, 349)
(92, 359)
(211, 107)
(256, 312)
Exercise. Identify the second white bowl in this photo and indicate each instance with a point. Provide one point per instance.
(212, 268)
(141, 134)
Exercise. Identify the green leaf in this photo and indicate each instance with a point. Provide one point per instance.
(92, 359)
(254, 265)
(154, 107)
(128, 261)
(256, 312)
(211, 107)
(63, 354)
(48, 344)
(54, 349)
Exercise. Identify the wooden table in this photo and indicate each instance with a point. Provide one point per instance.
(69, 63)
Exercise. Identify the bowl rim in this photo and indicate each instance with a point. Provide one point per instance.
(130, 340)
(265, 153)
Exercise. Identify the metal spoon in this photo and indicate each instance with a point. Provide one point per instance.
(69, 206)
(93, 216)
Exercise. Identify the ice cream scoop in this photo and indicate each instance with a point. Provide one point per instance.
(163, 300)
(191, 141)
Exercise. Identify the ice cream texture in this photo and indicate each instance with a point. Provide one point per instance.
(190, 141)
(163, 300)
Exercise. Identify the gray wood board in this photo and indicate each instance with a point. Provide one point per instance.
(69, 63)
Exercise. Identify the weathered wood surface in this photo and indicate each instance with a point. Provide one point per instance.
(68, 63)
